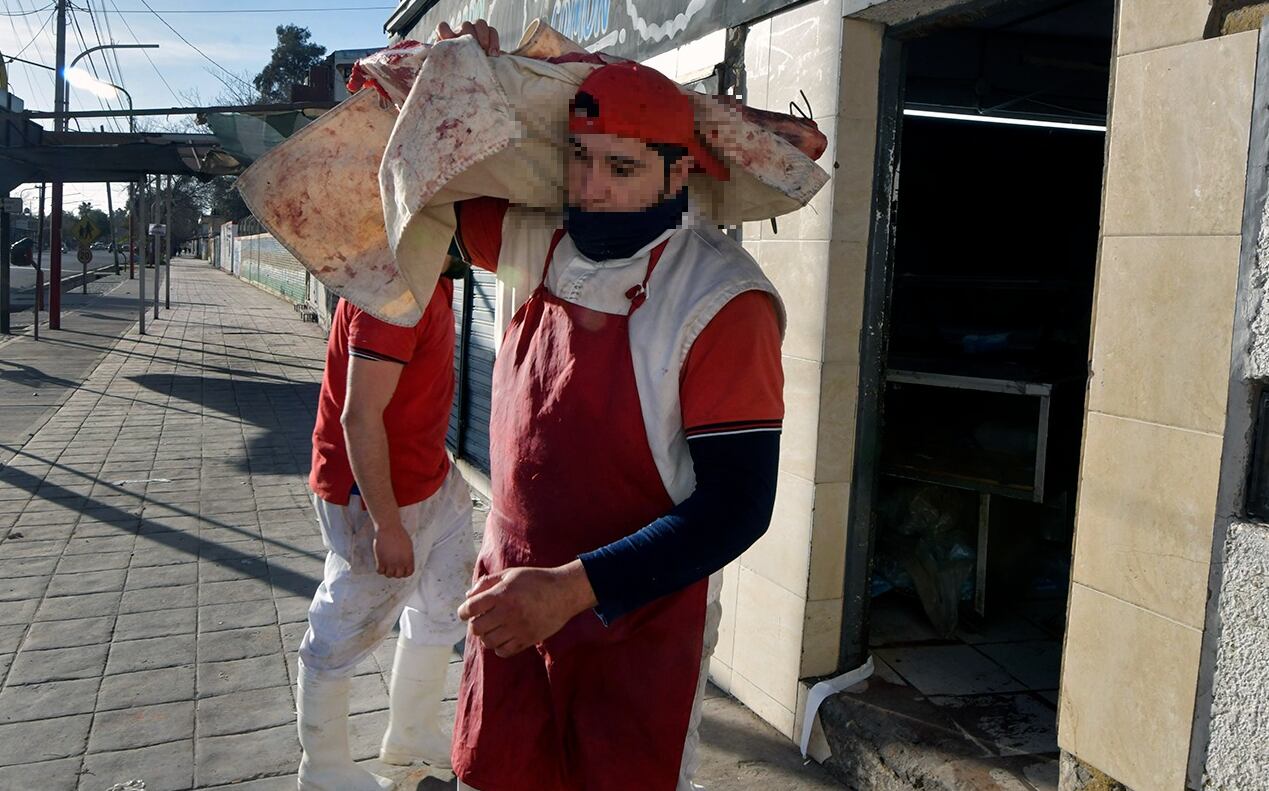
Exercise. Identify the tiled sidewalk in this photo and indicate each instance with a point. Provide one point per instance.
(157, 557)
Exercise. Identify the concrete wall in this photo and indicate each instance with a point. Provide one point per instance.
(1238, 752)
(1164, 305)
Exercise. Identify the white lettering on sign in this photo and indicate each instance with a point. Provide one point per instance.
(655, 31)
(581, 20)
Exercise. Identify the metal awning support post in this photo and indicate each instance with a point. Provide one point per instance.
(154, 240)
(4, 271)
(110, 222)
(139, 201)
(167, 244)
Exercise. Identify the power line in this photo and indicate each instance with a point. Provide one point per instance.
(25, 13)
(114, 53)
(105, 58)
(144, 52)
(259, 10)
(207, 57)
(18, 37)
(83, 42)
(36, 37)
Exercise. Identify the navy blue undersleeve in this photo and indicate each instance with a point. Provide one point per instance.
(728, 511)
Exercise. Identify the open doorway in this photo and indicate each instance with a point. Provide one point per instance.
(981, 368)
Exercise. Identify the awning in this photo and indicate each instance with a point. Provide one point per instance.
(29, 153)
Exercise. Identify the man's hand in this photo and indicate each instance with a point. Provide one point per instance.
(486, 36)
(518, 608)
(394, 551)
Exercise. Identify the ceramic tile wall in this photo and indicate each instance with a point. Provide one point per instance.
(1160, 352)
(788, 587)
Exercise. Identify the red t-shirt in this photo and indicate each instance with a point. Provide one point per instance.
(417, 416)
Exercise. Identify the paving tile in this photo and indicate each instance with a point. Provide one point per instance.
(149, 599)
(162, 576)
(58, 532)
(26, 702)
(247, 756)
(143, 726)
(279, 783)
(231, 591)
(292, 634)
(146, 687)
(73, 632)
(22, 588)
(87, 582)
(61, 775)
(261, 672)
(34, 667)
(294, 609)
(250, 710)
(949, 670)
(365, 733)
(243, 568)
(100, 562)
(99, 544)
(163, 555)
(239, 644)
(367, 693)
(163, 767)
(18, 612)
(151, 654)
(22, 548)
(83, 606)
(217, 617)
(11, 637)
(160, 623)
(27, 567)
(1037, 663)
(43, 740)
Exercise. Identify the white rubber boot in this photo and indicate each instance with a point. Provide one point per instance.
(415, 692)
(327, 764)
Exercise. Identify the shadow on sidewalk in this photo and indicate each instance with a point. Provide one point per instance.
(156, 530)
(287, 409)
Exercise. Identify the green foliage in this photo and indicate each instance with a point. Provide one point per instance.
(293, 56)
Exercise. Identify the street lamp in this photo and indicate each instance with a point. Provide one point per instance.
(62, 98)
(91, 50)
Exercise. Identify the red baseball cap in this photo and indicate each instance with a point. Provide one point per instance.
(632, 100)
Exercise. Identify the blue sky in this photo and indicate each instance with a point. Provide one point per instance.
(238, 41)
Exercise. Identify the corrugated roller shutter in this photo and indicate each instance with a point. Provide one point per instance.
(266, 262)
(469, 421)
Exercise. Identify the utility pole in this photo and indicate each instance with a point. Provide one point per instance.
(59, 125)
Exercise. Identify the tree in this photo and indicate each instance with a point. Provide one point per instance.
(294, 55)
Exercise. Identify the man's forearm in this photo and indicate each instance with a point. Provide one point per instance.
(367, 443)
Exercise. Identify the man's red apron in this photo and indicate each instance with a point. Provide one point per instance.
(594, 708)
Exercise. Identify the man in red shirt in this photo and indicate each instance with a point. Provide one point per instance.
(634, 444)
(396, 521)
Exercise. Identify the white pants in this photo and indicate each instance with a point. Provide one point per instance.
(355, 606)
(691, 746)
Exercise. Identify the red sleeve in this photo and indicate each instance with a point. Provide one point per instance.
(479, 231)
(372, 339)
(733, 381)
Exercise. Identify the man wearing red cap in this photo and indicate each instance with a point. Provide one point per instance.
(634, 441)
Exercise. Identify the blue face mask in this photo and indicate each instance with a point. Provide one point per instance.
(603, 235)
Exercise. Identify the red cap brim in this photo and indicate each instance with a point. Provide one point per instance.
(707, 163)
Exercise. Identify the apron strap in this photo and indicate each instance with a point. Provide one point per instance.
(550, 254)
(639, 294)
